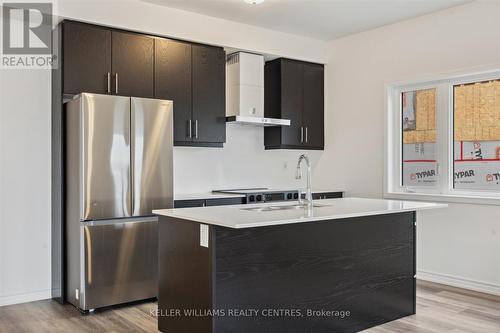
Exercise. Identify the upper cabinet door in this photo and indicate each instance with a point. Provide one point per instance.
(313, 113)
(173, 82)
(87, 58)
(292, 92)
(209, 111)
(295, 91)
(132, 64)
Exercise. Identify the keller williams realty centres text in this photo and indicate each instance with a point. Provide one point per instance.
(249, 313)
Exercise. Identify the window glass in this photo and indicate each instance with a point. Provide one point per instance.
(419, 166)
(477, 135)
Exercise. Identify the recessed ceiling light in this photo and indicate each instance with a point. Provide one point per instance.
(254, 2)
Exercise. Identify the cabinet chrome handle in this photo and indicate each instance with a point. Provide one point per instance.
(307, 136)
(116, 83)
(196, 129)
(109, 83)
(190, 129)
(301, 134)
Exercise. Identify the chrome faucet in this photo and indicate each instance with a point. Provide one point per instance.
(298, 175)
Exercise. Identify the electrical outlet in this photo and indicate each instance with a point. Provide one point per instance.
(204, 235)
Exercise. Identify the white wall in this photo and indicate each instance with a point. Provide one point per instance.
(242, 162)
(25, 136)
(460, 244)
(24, 185)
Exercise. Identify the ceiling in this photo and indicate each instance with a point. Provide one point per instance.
(320, 19)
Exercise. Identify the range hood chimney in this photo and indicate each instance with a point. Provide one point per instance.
(245, 91)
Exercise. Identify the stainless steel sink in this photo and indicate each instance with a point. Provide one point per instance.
(281, 207)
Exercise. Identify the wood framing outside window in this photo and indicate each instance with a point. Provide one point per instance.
(443, 139)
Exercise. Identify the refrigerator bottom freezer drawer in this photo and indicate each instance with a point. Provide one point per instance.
(121, 263)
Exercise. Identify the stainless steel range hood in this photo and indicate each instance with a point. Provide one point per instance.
(245, 91)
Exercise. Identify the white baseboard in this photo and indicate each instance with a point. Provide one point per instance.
(23, 298)
(459, 282)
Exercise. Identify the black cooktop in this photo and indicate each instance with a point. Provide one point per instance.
(263, 194)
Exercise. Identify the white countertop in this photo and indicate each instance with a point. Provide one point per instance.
(237, 216)
(317, 190)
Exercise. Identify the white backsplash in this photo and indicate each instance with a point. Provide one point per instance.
(242, 163)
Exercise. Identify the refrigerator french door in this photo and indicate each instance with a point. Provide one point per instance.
(119, 167)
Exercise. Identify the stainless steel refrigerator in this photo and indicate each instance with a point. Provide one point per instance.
(119, 167)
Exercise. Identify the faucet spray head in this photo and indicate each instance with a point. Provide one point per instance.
(298, 173)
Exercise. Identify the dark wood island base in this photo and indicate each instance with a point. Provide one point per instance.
(342, 275)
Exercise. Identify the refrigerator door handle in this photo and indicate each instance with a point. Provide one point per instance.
(196, 129)
(132, 160)
(109, 83)
(116, 83)
(190, 129)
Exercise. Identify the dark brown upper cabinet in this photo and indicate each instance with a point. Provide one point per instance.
(209, 94)
(294, 90)
(104, 61)
(292, 102)
(314, 105)
(87, 58)
(193, 76)
(110, 61)
(132, 64)
(173, 82)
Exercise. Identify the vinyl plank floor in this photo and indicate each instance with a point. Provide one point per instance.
(444, 309)
(440, 309)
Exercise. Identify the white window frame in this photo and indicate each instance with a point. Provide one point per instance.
(443, 191)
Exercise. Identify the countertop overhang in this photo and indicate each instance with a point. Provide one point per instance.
(238, 216)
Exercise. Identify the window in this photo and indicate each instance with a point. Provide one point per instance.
(418, 109)
(443, 138)
(476, 122)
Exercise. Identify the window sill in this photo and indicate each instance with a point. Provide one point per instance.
(447, 198)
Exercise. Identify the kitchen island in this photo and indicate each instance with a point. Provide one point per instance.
(341, 266)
